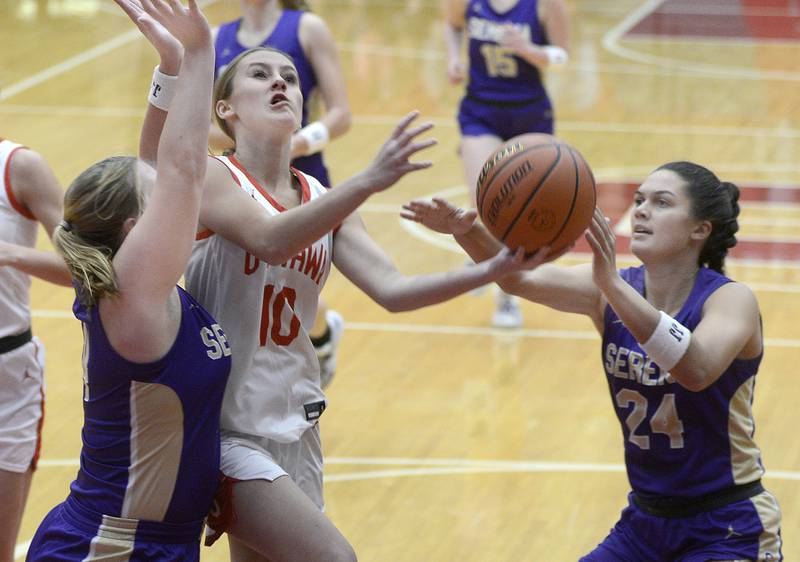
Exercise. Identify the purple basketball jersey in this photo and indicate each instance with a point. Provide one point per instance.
(678, 442)
(496, 74)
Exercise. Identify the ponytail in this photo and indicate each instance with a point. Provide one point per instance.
(714, 201)
(96, 206)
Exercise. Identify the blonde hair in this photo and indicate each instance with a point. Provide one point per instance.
(96, 206)
(296, 5)
(223, 87)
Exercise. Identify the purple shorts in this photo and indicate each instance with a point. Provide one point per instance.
(71, 533)
(744, 530)
(505, 121)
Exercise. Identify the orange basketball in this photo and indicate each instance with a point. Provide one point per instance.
(536, 190)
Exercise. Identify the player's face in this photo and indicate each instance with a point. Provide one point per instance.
(661, 223)
(267, 84)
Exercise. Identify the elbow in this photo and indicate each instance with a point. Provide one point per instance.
(269, 253)
(695, 380)
(395, 303)
(510, 285)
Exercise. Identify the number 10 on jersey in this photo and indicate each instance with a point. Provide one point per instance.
(272, 307)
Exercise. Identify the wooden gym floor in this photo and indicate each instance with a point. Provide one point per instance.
(447, 440)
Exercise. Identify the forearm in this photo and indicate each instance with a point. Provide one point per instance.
(288, 233)
(45, 265)
(410, 293)
(183, 147)
(478, 243)
(453, 38)
(638, 315)
(154, 118)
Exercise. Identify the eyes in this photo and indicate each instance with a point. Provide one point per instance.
(661, 202)
(289, 76)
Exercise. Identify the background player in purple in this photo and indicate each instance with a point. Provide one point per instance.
(681, 347)
(155, 362)
(509, 43)
(289, 25)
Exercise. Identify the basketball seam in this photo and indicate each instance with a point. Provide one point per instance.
(510, 160)
(553, 164)
(565, 222)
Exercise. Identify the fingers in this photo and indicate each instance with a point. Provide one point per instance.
(410, 149)
(404, 122)
(404, 137)
(132, 10)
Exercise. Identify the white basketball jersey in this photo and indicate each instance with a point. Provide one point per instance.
(18, 226)
(266, 312)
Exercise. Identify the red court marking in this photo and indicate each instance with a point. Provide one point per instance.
(615, 199)
(741, 19)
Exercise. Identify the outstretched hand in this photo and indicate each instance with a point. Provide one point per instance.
(392, 162)
(603, 242)
(508, 261)
(169, 25)
(439, 215)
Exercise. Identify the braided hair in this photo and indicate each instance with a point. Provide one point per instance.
(715, 201)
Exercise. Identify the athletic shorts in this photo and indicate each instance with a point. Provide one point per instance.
(313, 165)
(477, 118)
(72, 533)
(21, 406)
(247, 457)
(744, 530)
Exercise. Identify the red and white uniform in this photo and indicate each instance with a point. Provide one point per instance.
(17, 226)
(22, 368)
(266, 311)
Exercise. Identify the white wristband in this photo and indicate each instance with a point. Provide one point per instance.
(162, 89)
(668, 343)
(556, 56)
(316, 135)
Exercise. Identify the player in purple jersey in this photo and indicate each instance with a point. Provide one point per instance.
(155, 362)
(509, 43)
(681, 347)
(289, 25)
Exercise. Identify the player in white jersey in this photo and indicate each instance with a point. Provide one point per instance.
(268, 236)
(29, 194)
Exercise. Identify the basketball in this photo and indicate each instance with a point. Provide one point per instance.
(536, 190)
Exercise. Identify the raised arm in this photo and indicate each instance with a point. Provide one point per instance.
(170, 52)
(555, 19)
(320, 48)
(569, 289)
(730, 327)
(155, 252)
(229, 212)
(362, 261)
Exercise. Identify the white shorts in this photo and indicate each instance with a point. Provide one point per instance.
(248, 457)
(21, 406)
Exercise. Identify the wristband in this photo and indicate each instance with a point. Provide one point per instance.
(162, 89)
(668, 342)
(556, 56)
(316, 135)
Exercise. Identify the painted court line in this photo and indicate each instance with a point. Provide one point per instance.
(611, 42)
(75, 61)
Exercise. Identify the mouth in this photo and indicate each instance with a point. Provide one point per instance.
(639, 229)
(278, 99)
